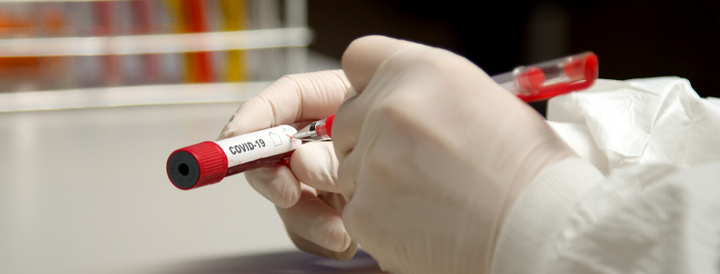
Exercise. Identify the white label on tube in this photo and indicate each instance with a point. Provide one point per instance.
(260, 144)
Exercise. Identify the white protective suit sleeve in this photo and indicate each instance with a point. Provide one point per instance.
(643, 219)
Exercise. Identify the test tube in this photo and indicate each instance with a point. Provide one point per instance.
(209, 162)
(551, 78)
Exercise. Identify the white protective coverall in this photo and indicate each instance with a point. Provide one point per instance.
(658, 210)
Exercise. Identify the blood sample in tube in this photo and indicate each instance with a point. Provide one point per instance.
(209, 162)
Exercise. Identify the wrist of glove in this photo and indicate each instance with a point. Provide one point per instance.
(539, 215)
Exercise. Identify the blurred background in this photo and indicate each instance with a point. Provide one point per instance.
(633, 38)
(94, 96)
(637, 38)
(148, 45)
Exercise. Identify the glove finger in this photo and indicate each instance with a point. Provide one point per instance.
(351, 92)
(310, 247)
(360, 61)
(348, 174)
(364, 55)
(337, 202)
(315, 165)
(276, 183)
(293, 99)
(316, 221)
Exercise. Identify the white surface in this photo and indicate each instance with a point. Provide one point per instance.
(85, 191)
(130, 96)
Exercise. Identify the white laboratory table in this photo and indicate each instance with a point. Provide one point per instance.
(85, 191)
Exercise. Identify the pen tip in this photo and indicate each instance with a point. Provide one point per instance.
(303, 135)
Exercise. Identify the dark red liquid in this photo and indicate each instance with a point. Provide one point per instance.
(259, 163)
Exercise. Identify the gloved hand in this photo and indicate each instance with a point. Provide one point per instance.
(304, 192)
(433, 153)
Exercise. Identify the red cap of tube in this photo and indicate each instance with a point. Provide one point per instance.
(197, 165)
(329, 124)
(582, 73)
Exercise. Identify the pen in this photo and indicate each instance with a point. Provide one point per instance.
(529, 83)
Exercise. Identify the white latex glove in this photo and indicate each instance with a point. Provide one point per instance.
(304, 192)
(432, 154)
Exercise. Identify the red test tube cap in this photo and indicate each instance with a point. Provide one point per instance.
(329, 125)
(583, 68)
(197, 165)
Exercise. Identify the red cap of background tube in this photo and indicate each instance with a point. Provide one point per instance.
(582, 72)
(197, 165)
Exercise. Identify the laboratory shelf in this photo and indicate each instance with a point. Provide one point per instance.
(156, 43)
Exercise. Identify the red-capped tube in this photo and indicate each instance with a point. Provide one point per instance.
(209, 162)
(552, 78)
